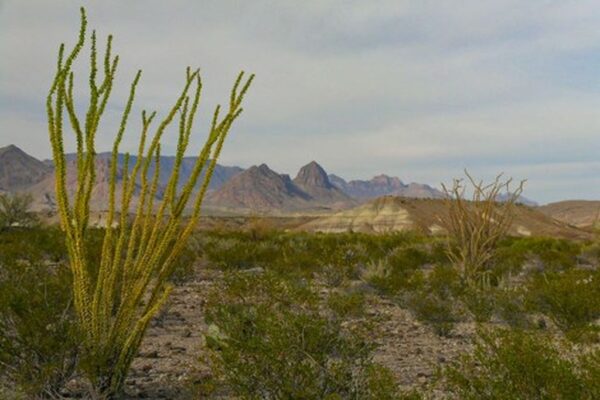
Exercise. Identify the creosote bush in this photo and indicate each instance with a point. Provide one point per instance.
(15, 211)
(115, 304)
(271, 341)
(514, 364)
(39, 339)
(571, 299)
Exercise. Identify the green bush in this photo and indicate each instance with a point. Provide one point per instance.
(15, 211)
(271, 341)
(481, 303)
(347, 304)
(571, 299)
(552, 254)
(511, 307)
(434, 302)
(509, 365)
(38, 337)
(434, 311)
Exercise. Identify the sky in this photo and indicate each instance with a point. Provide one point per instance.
(416, 89)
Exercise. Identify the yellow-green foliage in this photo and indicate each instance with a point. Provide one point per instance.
(137, 256)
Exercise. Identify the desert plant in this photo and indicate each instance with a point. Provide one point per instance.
(38, 332)
(271, 341)
(115, 305)
(475, 227)
(15, 210)
(434, 300)
(517, 364)
(571, 299)
(347, 303)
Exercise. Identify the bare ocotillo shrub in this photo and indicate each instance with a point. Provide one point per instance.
(115, 303)
(476, 225)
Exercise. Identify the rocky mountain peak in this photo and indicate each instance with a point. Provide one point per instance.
(18, 169)
(313, 175)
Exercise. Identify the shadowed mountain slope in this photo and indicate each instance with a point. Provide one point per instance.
(313, 180)
(19, 170)
(259, 188)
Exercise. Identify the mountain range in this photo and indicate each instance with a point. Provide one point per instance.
(255, 189)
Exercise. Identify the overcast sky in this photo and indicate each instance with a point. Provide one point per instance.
(419, 89)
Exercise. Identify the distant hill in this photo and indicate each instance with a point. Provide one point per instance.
(580, 213)
(391, 213)
(313, 180)
(232, 189)
(44, 191)
(520, 200)
(19, 170)
(221, 173)
(259, 188)
(383, 185)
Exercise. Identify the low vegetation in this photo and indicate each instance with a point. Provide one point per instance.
(311, 297)
(272, 340)
(15, 211)
(524, 365)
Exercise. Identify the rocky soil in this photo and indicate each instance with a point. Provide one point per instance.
(170, 366)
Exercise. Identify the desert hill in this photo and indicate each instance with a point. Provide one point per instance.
(18, 170)
(579, 213)
(391, 213)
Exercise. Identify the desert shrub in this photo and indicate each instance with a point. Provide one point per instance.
(184, 267)
(238, 253)
(480, 302)
(270, 341)
(438, 313)
(590, 253)
(590, 371)
(511, 307)
(552, 254)
(570, 298)
(477, 226)
(517, 364)
(15, 211)
(401, 269)
(434, 302)
(347, 303)
(445, 282)
(39, 341)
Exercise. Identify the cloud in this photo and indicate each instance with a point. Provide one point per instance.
(419, 89)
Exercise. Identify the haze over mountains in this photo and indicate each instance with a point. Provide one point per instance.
(257, 188)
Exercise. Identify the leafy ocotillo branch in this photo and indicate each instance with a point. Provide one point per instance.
(115, 304)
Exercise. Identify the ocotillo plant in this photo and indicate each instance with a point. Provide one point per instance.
(475, 226)
(115, 304)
